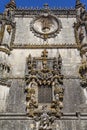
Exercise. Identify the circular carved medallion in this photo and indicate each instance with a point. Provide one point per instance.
(46, 25)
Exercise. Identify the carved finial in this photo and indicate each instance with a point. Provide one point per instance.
(46, 6)
(11, 4)
(45, 53)
(78, 4)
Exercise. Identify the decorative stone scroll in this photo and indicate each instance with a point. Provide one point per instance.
(44, 73)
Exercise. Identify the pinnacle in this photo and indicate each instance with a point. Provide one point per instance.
(78, 2)
(11, 4)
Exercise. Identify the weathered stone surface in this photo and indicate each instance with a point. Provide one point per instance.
(70, 58)
(7, 37)
(16, 99)
(4, 92)
(74, 94)
(27, 125)
(66, 35)
(13, 97)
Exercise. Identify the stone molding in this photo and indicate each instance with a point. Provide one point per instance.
(57, 11)
(22, 116)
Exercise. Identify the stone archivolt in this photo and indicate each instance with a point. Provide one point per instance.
(44, 77)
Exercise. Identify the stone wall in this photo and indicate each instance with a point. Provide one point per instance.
(20, 42)
(14, 95)
(66, 35)
(25, 124)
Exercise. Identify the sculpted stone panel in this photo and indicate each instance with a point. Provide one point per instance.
(61, 37)
(46, 26)
(44, 77)
(34, 95)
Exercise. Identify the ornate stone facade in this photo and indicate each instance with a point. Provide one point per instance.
(43, 68)
(48, 76)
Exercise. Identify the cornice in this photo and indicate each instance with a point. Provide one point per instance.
(55, 11)
(60, 12)
(35, 11)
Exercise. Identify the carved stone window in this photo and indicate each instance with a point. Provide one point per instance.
(43, 83)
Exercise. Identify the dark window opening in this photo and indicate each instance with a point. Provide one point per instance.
(44, 94)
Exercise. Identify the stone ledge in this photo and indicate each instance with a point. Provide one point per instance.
(23, 116)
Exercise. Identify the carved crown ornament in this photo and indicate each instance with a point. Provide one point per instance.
(44, 85)
(45, 26)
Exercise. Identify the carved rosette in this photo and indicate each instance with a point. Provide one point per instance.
(42, 77)
(45, 26)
